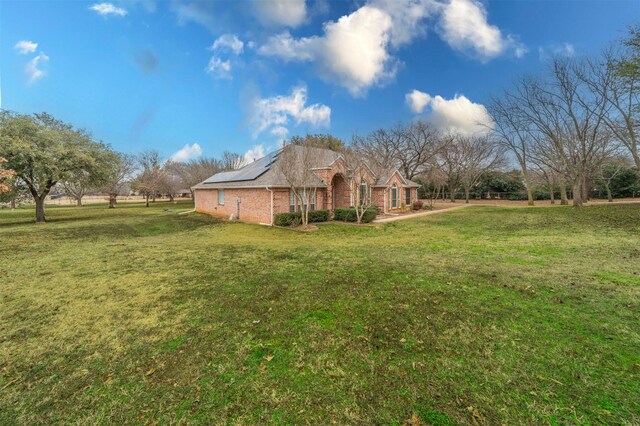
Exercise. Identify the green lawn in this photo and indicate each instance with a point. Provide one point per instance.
(482, 315)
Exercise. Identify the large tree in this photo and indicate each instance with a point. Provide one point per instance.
(44, 151)
(119, 175)
(231, 161)
(565, 119)
(411, 148)
(91, 177)
(319, 140)
(151, 175)
(511, 130)
(466, 158)
(616, 77)
(195, 171)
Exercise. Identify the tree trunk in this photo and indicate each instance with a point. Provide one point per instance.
(452, 194)
(466, 195)
(529, 196)
(577, 194)
(147, 200)
(79, 202)
(584, 190)
(564, 200)
(13, 204)
(171, 198)
(112, 201)
(552, 196)
(40, 208)
(153, 198)
(527, 184)
(609, 197)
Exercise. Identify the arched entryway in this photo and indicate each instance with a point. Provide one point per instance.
(340, 194)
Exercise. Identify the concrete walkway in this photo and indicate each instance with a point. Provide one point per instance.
(427, 213)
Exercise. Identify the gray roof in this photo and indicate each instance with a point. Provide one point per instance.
(384, 178)
(262, 173)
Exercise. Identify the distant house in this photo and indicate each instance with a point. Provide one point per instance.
(259, 190)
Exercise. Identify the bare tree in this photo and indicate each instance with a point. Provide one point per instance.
(410, 148)
(420, 143)
(379, 149)
(360, 182)
(435, 180)
(231, 161)
(615, 76)
(565, 121)
(511, 130)
(119, 175)
(295, 163)
(318, 140)
(451, 163)
(170, 182)
(194, 171)
(609, 170)
(151, 175)
(479, 154)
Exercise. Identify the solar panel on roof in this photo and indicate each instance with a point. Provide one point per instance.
(249, 172)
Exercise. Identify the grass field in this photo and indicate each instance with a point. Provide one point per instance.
(484, 315)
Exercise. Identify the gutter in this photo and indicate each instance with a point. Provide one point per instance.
(271, 217)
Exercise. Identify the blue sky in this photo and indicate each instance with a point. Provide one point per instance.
(193, 78)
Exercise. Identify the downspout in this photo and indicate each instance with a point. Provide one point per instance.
(271, 191)
(385, 200)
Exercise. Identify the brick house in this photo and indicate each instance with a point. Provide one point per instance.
(257, 191)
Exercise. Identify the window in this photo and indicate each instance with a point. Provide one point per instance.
(221, 196)
(394, 196)
(363, 192)
(408, 191)
(303, 195)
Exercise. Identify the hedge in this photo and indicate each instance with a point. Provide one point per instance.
(295, 218)
(349, 214)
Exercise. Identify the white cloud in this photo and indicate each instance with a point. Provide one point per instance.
(34, 70)
(565, 49)
(255, 153)
(200, 13)
(453, 115)
(281, 13)
(464, 27)
(107, 9)
(280, 131)
(186, 153)
(356, 51)
(25, 46)
(285, 47)
(417, 100)
(408, 18)
(219, 68)
(228, 43)
(352, 51)
(520, 50)
(273, 114)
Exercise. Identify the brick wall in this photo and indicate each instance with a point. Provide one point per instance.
(377, 198)
(255, 203)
